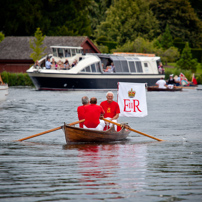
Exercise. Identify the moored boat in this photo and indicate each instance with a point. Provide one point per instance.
(3, 90)
(75, 134)
(90, 70)
(156, 88)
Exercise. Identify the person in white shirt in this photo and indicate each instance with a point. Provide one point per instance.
(161, 83)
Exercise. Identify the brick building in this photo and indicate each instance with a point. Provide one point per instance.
(15, 51)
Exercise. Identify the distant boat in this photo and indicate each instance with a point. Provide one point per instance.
(89, 73)
(156, 88)
(3, 90)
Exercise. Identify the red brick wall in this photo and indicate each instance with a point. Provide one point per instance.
(15, 67)
(87, 48)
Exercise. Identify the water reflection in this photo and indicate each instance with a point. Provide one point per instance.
(117, 167)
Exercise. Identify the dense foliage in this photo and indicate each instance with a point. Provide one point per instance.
(119, 20)
(155, 26)
(181, 18)
(16, 79)
(54, 17)
(128, 19)
(186, 61)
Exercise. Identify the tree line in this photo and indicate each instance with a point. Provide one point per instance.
(157, 26)
(117, 20)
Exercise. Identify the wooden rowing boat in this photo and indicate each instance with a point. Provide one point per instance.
(154, 88)
(75, 134)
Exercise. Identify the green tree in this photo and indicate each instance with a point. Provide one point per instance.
(36, 44)
(197, 5)
(170, 55)
(22, 17)
(139, 45)
(2, 36)
(166, 38)
(186, 62)
(181, 18)
(97, 12)
(126, 20)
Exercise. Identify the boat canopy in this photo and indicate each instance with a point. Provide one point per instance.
(129, 64)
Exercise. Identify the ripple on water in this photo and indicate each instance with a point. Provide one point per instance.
(46, 169)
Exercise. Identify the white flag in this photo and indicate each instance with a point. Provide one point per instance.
(132, 99)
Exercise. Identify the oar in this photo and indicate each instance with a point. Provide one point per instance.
(51, 130)
(136, 131)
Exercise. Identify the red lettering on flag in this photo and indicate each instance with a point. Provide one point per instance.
(136, 106)
(128, 105)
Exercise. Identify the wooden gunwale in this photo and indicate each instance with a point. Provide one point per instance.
(75, 134)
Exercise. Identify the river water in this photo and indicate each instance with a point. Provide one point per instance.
(45, 168)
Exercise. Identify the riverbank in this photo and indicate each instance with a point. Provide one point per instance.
(22, 79)
(171, 69)
(16, 79)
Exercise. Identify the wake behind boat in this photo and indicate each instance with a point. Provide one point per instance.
(90, 70)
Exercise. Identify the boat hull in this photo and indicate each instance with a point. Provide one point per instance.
(75, 134)
(3, 92)
(82, 82)
(153, 88)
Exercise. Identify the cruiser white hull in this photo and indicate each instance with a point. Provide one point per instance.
(82, 82)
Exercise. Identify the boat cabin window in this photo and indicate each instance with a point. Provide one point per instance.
(60, 52)
(67, 53)
(78, 50)
(54, 52)
(93, 68)
(139, 66)
(124, 66)
(120, 64)
(145, 64)
(88, 69)
(73, 52)
(98, 67)
(132, 66)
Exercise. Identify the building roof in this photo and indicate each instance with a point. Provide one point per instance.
(17, 48)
